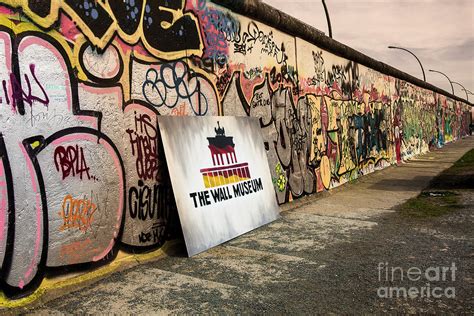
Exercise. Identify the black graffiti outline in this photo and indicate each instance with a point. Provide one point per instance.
(172, 227)
(108, 25)
(152, 79)
(105, 81)
(41, 270)
(270, 47)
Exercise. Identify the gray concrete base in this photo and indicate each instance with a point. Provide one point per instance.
(321, 256)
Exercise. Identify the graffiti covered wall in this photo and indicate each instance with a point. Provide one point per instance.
(82, 173)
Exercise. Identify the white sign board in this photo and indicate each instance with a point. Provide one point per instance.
(220, 176)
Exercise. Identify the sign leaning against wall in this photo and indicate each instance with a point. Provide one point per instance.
(220, 176)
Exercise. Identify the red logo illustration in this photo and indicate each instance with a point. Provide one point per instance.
(228, 171)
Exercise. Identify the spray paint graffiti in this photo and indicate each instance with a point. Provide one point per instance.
(144, 142)
(77, 213)
(174, 84)
(71, 162)
(82, 170)
(164, 28)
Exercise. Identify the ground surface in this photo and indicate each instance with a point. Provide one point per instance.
(322, 256)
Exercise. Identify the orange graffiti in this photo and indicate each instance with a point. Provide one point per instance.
(77, 213)
(74, 252)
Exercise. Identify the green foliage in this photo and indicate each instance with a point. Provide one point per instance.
(430, 204)
(437, 200)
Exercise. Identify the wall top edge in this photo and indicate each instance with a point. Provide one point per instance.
(273, 17)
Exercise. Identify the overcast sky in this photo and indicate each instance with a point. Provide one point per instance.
(439, 32)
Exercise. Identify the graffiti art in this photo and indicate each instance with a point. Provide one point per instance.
(83, 83)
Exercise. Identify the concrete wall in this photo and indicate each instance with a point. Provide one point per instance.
(82, 174)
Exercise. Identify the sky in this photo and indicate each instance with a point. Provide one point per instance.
(439, 32)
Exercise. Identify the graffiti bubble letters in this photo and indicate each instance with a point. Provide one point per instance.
(175, 82)
(162, 25)
(70, 161)
(77, 213)
(144, 142)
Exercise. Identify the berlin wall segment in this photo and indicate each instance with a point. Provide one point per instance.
(82, 173)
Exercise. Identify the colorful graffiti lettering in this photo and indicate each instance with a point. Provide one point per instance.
(163, 26)
(144, 146)
(77, 213)
(71, 161)
(82, 170)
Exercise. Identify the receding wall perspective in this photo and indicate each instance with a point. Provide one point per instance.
(82, 173)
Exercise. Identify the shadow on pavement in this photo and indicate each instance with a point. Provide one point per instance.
(412, 184)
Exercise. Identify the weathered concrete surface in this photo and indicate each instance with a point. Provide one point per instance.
(319, 257)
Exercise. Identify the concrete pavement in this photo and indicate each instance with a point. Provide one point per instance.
(321, 256)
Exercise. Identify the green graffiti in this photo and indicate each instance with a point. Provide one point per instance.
(281, 180)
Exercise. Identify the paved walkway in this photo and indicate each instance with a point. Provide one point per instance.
(321, 256)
